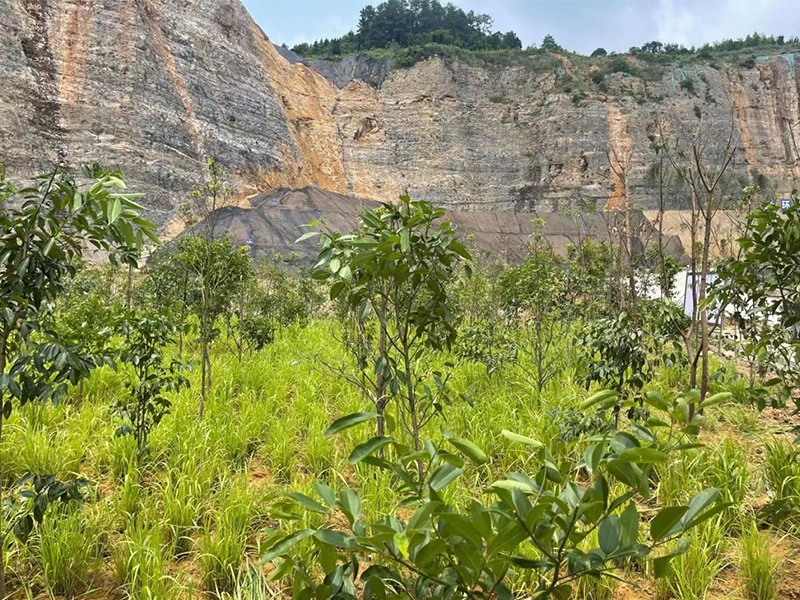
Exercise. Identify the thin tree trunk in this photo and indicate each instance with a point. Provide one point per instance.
(693, 327)
(412, 408)
(704, 310)
(380, 397)
(129, 288)
(183, 313)
(3, 347)
(631, 266)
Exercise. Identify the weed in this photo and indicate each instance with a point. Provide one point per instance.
(140, 565)
(782, 471)
(695, 571)
(222, 547)
(727, 470)
(66, 558)
(758, 566)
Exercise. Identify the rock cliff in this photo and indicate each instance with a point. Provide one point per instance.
(154, 87)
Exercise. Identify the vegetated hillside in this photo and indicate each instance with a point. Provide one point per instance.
(155, 88)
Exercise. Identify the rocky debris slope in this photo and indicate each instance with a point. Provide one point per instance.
(154, 87)
(274, 221)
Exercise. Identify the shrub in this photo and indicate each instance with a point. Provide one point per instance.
(620, 65)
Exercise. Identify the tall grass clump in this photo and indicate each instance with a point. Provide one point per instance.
(251, 585)
(181, 503)
(758, 567)
(222, 547)
(782, 471)
(695, 571)
(66, 553)
(727, 470)
(140, 565)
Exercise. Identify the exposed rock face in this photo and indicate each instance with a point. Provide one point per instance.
(154, 87)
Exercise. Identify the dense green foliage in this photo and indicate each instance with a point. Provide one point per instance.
(752, 42)
(762, 286)
(505, 487)
(411, 30)
(406, 23)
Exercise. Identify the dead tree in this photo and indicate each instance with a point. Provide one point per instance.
(702, 161)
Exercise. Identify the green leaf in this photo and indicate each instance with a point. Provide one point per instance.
(306, 236)
(521, 439)
(348, 421)
(423, 514)
(283, 545)
(629, 523)
(444, 475)
(351, 504)
(716, 399)
(306, 502)
(656, 400)
(335, 538)
(699, 503)
(662, 567)
(326, 493)
(601, 396)
(665, 520)
(114, 210)
(470, 450)
(643, 455)
(609, 534)
(361, 451)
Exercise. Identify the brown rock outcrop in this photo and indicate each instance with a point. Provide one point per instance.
(154, 87)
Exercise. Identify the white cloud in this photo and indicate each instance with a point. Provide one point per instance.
(694, 23)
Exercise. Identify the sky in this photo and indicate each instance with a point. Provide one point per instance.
(578, 25)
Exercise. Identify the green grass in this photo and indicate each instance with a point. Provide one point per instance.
(782, 473)
(759, 569)
(695, 571)
(196, 513)
(140, 563)
(65, 553)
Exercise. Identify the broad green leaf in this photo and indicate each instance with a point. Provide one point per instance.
(643, 455)
(351, 504)
(716, 399)
(609, 534)
(306, 502)
(283, 545)
(335, 538)
(665, 520)
(348, 421)
(662, 567)
(444, 475)
(470, 450)
(307, 236)
(521, 439)
(114, 210)
(361, 451)
(601, 396)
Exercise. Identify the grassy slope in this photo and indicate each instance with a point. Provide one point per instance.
(201, 512)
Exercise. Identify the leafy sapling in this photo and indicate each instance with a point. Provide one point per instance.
(147, 336)
(397, 269)
(44, 231)
(541, 522)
